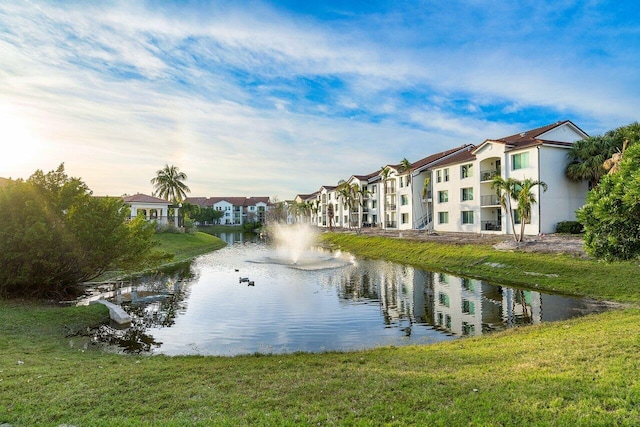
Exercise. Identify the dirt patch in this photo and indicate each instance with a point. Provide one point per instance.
(549, 243)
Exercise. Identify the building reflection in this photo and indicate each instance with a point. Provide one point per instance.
(454, 305)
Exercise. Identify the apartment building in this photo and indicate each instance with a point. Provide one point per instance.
(236, 210)
(466, 201)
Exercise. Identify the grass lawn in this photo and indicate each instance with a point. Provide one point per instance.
(185, 246)
(579, 372)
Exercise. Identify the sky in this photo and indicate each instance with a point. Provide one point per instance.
(277, 98)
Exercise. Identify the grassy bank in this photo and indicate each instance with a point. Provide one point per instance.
(578, 372)
(583, 371)
(185, 246)
(618, 281)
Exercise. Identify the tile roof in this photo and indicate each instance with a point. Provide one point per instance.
(143, 198)
(235, 201)
(532, 137)
(460, 157)
(438, 156)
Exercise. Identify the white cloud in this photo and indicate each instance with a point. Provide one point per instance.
(116, 90)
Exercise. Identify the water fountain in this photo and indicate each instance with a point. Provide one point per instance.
(293, 246)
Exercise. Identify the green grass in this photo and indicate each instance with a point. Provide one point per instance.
(185, 246)
(579, 372)
(619, 281)
(582, 371)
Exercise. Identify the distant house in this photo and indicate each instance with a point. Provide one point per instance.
(236, 210)
(149, 207)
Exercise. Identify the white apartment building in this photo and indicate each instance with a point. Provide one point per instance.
(464, 199)
(236, 210)
(451, 190)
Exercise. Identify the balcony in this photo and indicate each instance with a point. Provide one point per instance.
(391, 224)
(491, 200)
(391, 207)
(491, 226)
(488, 175)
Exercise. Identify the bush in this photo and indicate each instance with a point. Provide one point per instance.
(569, 227)
(611, 216)
(166, 228)
(55, 235)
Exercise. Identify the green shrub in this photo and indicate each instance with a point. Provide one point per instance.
(569, 227)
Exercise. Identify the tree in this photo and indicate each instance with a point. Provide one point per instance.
(506, 189)
(55, 235)
(526, 199)
(347, 192)
(611, 216)
(168, 184)
(587, 157)
(330, 214)
(514, 190)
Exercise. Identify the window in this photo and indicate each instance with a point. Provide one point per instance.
(468, 307)
(516, 218)
(446, 175)
(468, 329)
(467, 217)
(520, 161)
(401, 181)
(404, 200)
(443, 196)
(374, 189)
(440, 318)
(443, 217)
(405, 218)
(467, 194)
(438, 176)
(374, 204)
(467, 284)
(466, 171)
(443, 299)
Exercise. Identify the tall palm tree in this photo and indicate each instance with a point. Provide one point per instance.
(506, 189)
(384, 174)
(587, 156)
(405, 166)
(348, 193)
(168, 184)
(525, 200)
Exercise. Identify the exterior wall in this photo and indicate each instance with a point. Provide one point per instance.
(531, 172)
(227, 209)
(455, 205)
(374, 208)
(563, 197)
(151, 211)
(422, 207)
(404, 202)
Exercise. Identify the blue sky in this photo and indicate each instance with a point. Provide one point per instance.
(278, 98)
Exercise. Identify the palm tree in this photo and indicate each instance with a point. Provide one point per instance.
(519, 191)
(586, 158)
(506, 189)
(525, 200)
(362, 194)
(384, 174)
(405, 166)
(168, 184)
(347, 192)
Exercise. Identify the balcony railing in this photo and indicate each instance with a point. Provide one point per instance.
(491, 226)
(491, 200)
(392, 207)
(391, 224)
(489, 174)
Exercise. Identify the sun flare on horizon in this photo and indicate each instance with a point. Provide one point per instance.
(21, 147)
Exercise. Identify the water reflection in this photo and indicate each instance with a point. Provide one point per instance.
(206, 310)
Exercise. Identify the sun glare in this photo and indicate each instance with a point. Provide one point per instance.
(19, 146)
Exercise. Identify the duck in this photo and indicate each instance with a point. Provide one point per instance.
(244, 279)
(251, 283)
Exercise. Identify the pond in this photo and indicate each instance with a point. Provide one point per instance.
(235, 301)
